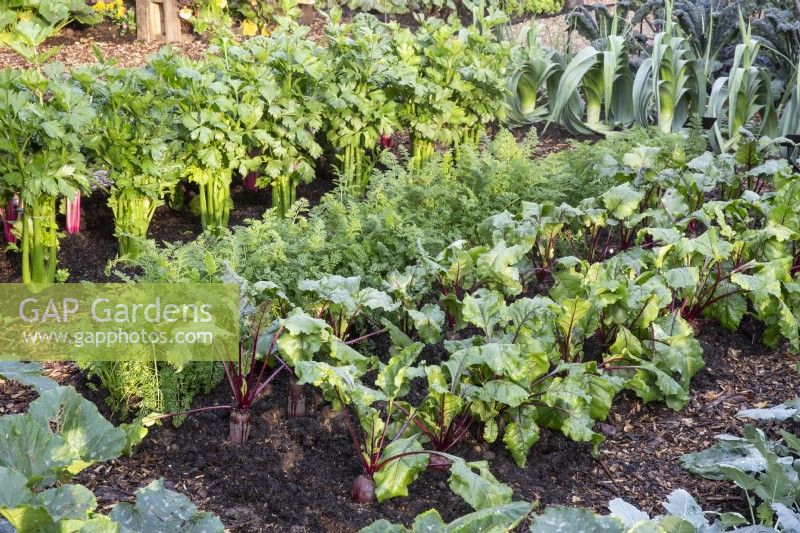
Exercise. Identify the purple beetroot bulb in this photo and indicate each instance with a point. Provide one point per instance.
(386, 141)
(250, 181)
(363, 489)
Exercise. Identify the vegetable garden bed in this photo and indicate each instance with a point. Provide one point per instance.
(294, 475)
(444, 315)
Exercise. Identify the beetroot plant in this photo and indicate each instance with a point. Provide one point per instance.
(701, 272)
(391, 456)
(9, 214)
(249, 376)
(341, 301)
(443, 417)
(256, 367)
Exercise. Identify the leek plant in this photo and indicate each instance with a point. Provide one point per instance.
(532, 67)
(135, 143)
(41, 116)
(669, 84)
(596, 84)
(741, 95)
(789, 113)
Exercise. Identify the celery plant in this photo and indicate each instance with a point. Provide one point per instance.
(361, 67)
(451, 83)
(429, 59)
(285, 70)
(480, 89)
(214, 114)
(41, 116)
(135, 144)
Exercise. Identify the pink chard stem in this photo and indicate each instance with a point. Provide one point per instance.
(9, 216)
(250, 181)
(74, 215)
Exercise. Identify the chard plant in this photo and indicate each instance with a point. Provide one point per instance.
(72, 211)
(135, 142)
(359, 109)
(217, 115)
(41, 119)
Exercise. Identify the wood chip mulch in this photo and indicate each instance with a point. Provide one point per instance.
(640, 459)
(126, 54)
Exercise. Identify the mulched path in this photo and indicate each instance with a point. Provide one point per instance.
(76, 48)
(76, 43)
(295, 475)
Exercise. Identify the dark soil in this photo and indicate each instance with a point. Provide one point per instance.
(552, 137)
(105, 31)
(295, 475)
